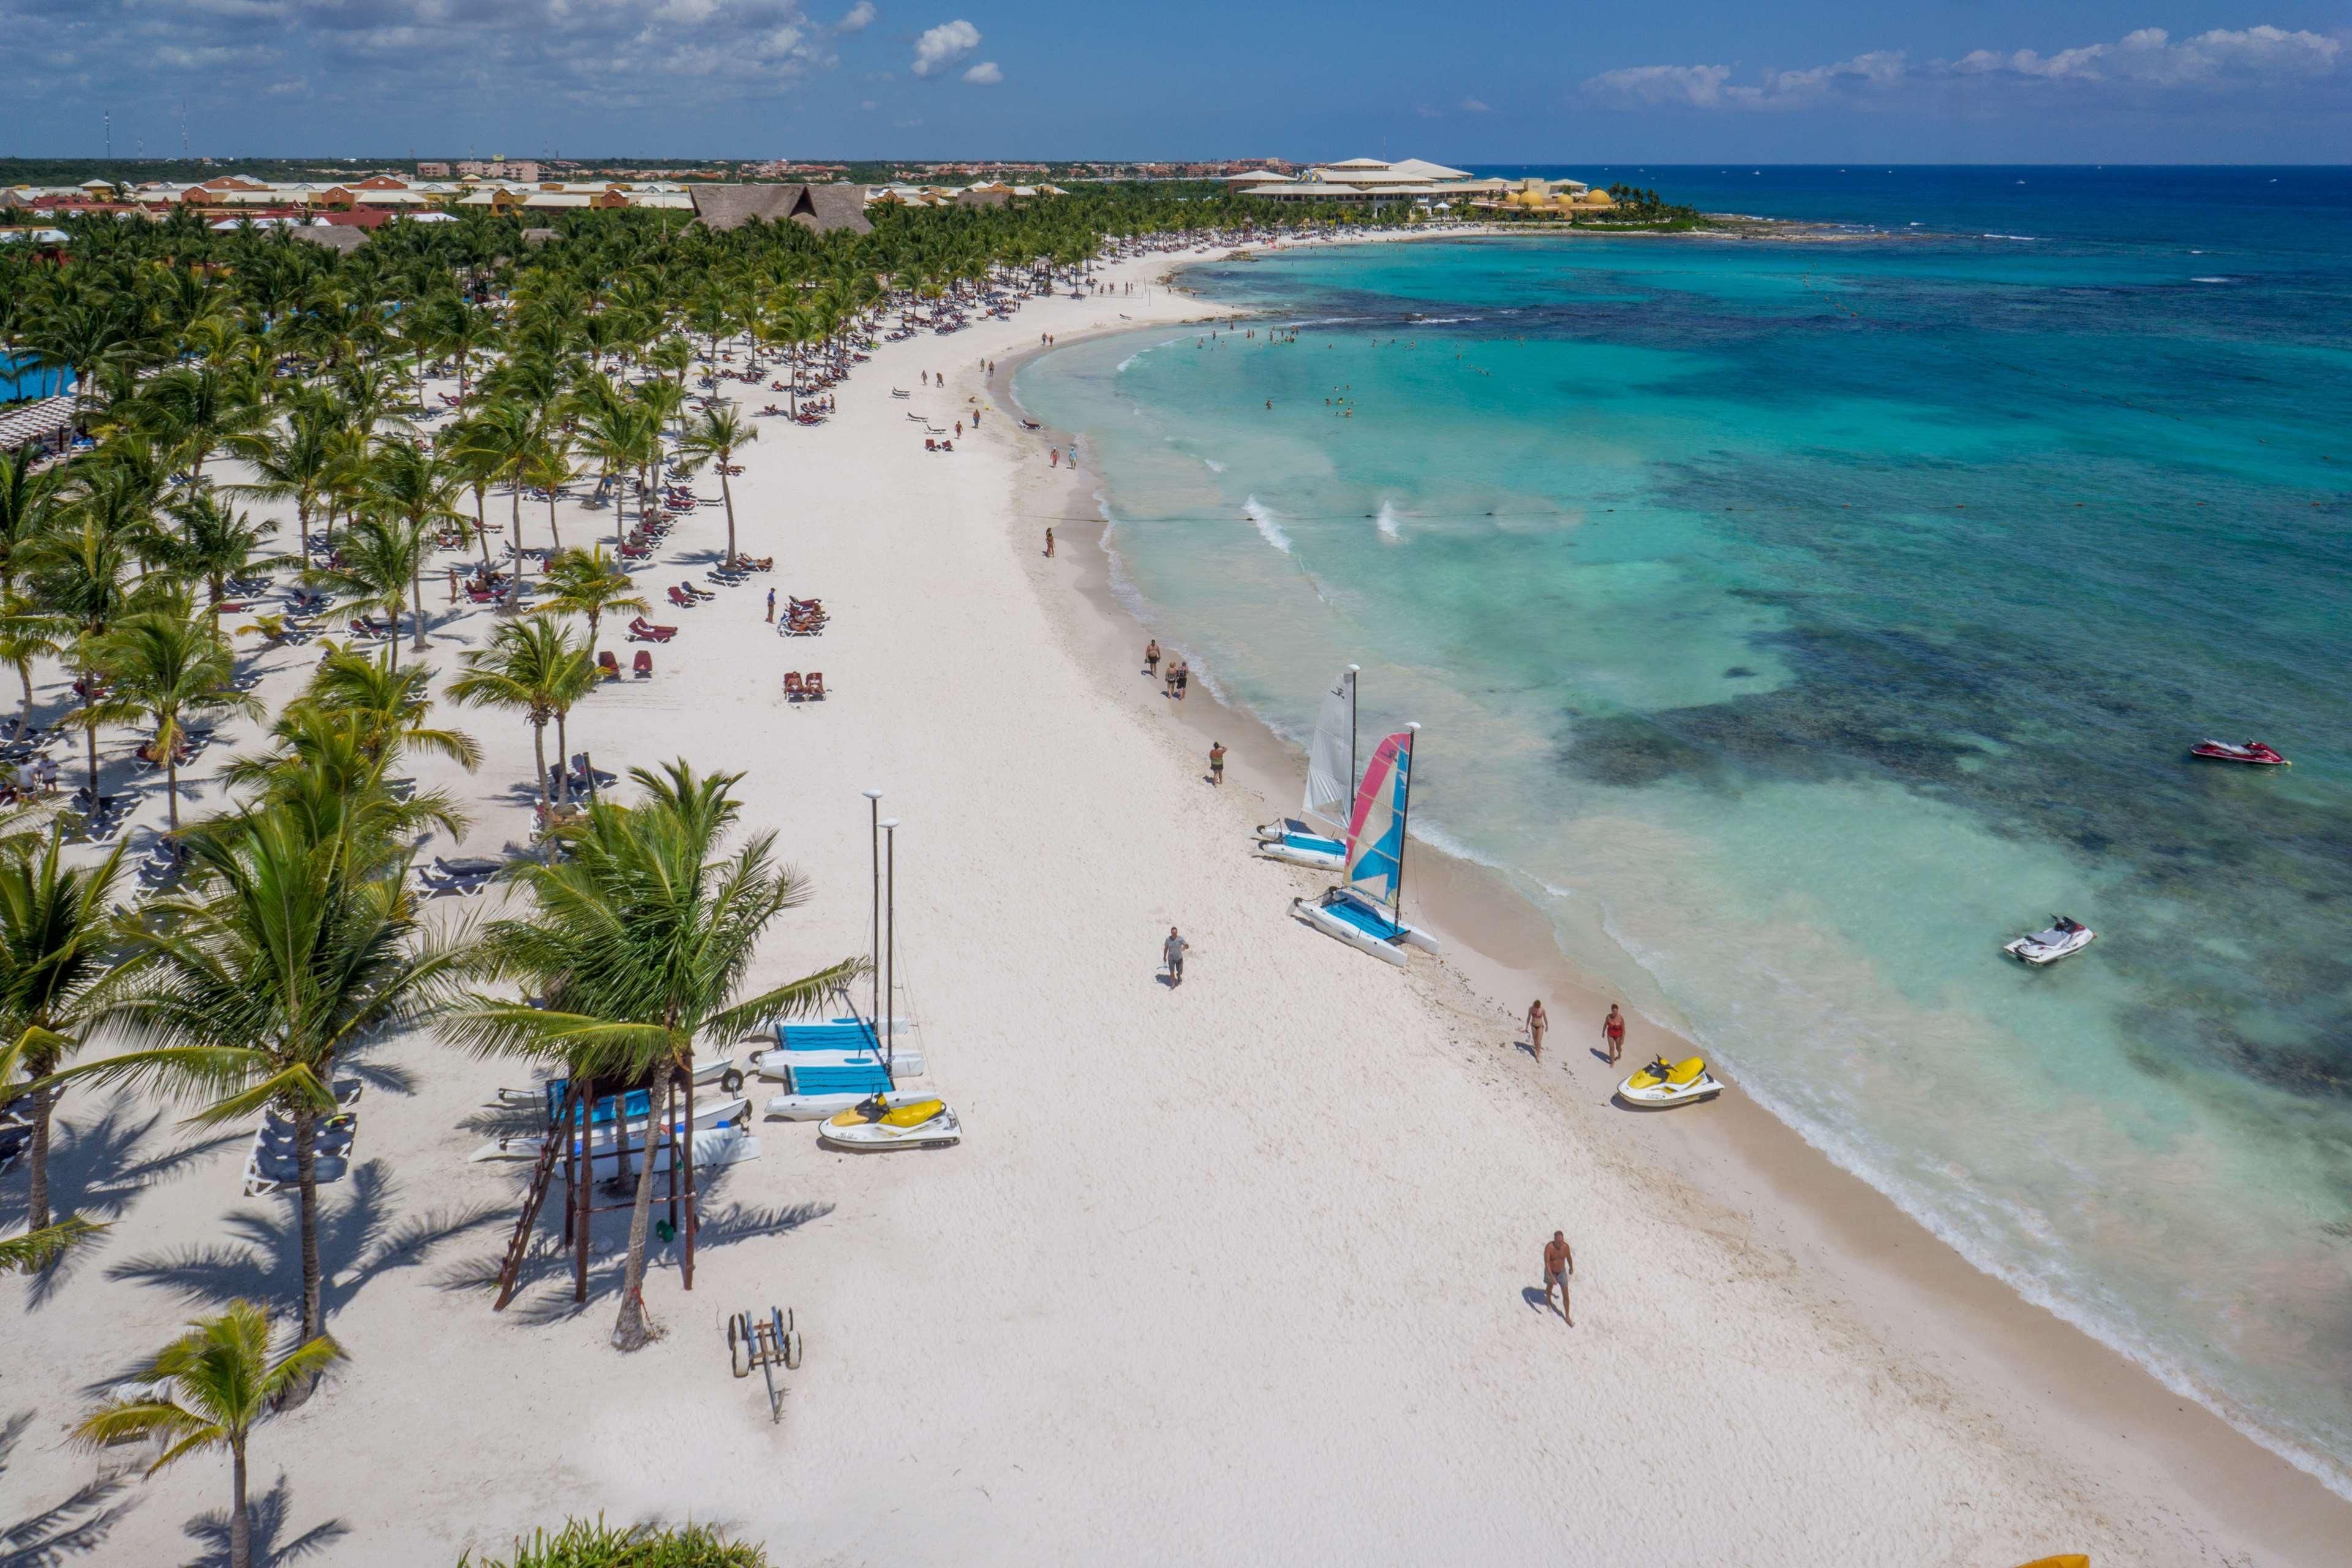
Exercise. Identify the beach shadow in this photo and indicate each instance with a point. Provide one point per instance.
(543, 1292)
(360, 1239)
(74, 1526)
(1168, 980)
(271, 1545)
(95, 1171)
(1537, 1300)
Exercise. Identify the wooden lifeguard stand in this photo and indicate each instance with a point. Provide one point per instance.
(570, 1144)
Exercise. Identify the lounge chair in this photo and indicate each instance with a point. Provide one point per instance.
(607, 666)
(792, 688)
(643, 630)
(815, 685)
(682, 599)
(644, 663)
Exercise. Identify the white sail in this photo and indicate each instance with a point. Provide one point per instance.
(1331, 755)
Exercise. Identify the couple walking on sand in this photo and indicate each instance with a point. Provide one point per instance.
(1612, 1031)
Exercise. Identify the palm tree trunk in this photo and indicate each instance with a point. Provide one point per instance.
(727, 492)
(416, 587)
(25, 718)
(93, 755)
(240, 1517)
(554, 533)
(392, 643)
(563, 756)
(305, 1171)
(630, 1330)
(482, 527)
(539, 751)
(36, 1209)
(514, 589)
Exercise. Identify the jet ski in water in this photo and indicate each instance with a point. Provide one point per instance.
(2252, 751)
(1682, 1083)
(2065, 939)
(875, 1124)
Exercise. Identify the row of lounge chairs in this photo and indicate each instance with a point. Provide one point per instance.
(270, 1164)
(609, 669)
(809, 687)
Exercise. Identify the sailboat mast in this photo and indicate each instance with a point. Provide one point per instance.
(1404, 817)
(1355, 768)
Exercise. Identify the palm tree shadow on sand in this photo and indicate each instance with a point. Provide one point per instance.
(362, 1238)
(73, 1527)
(544, 1295)
(271, 1547)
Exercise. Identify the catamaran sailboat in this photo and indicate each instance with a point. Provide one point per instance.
(1367, 909)
(1313, 837)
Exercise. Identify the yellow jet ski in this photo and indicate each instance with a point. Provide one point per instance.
(1682, 1083)
(873, 1124)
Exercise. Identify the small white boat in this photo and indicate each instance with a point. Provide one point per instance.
(526, 1145)
(2064, 939)
(1314, 837)
(815, 1102)
(1685, 1082)
(719, 1069)
(873, 1123)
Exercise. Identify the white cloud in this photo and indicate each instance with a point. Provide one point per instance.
(943, 46)
(1473, 106)
(857, 18)
(2148, 59)
(869, 103)
(984, 74)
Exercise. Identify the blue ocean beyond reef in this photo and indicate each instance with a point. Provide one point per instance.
(1794, 622)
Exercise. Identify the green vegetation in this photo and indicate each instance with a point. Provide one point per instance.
(580, 1545)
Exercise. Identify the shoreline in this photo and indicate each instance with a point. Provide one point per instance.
(2037, 1368)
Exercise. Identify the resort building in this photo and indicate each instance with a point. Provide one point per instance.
(823, 208)
(1372, 180)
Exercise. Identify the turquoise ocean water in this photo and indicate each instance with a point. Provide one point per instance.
(1795, 622)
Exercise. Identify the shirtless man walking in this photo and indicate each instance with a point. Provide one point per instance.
(1560, 1262)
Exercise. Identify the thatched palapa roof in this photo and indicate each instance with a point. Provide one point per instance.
(823, 208)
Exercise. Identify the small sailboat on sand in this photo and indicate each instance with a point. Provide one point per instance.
(1366, 910)
(1315, 836)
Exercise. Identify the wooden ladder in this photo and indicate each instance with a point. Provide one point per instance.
(543, 1172)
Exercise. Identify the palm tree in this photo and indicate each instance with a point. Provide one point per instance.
(617, 433)
(716, 436)
(382, 559)
(389, 707)
(550, 470)
(532, 667)
(37, 1249)
(30, 499)
(408, 481)
(295, 464)
(587, 583)
(297, 939)
(26, 633)
(56, 928)
(83, 336)
(199, 407)
(216, 542)
(82, 574)
(505, 439)
(219, 1382)
(638, 944)
(166, 667)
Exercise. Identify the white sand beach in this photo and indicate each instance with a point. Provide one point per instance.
(1240, 1272)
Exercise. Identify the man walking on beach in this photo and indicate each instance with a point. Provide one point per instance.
(771, 605)
(1536, 1025)
(1560, 1262)
(1151, 658)
(1217, 764)
(1612, 1031)
(1172, 949)
(1049, 544)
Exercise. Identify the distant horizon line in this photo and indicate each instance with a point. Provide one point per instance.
(1466, 163)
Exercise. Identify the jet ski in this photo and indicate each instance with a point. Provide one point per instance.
(1681, 1083)
(2252, 751)
(873, 1123)
(2065, 939)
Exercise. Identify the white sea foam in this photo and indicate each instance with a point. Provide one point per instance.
(2212, 281)
(1215, 466)
(2026, 237)
(1388, 521)
(1270, 523)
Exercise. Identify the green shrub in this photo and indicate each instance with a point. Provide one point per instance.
(580, 1545)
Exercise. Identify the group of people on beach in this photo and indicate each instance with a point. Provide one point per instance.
(1612, 1031)
(1173, 679)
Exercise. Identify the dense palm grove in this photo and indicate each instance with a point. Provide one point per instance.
(258, 944)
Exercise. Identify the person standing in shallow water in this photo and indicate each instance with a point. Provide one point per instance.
(1217, 764)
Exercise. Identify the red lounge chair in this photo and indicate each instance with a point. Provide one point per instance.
(815, 687)
(792, 688)
(643, 630)
(607, 666)
(643, 664)
(681, 598)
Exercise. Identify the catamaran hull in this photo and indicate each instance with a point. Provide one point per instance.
(817, 1107)
(1391, 948)
(1334, 861)
(526, 1145)
(904, 1059)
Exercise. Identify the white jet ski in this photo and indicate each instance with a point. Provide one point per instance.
(1685, 1082)
(2064, 939)
(873, 1123)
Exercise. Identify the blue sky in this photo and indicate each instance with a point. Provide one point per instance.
(1477, 81)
